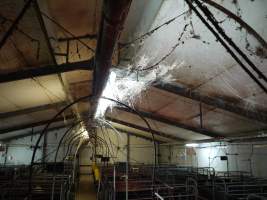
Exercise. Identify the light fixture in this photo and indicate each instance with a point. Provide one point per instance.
(191, 145)
(109, 92)
(84, 133)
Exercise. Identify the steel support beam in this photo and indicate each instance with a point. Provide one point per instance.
(34, 133)
(43, 28)
(239, 20)
(32, 110)
(15, 23)
(248, 139)
(148, 115)
(46, 70)
(86, 36)
(140, 128)
(137, 135)
(44, 122)
(260, 116)
(145, 114)
(151, 116)
(34, 124)
(64, 126)
(161, 119)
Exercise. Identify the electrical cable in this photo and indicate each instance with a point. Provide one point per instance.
(215, 23)
(168, 54)
(103, 144)
(108, 151)
(55, 158)
(136, 161)
(64, 29)
(41, 135)
(153, 138)
(112, 127)
(226, 46)
(114, 130)
(66, 132)
(116, 155)
(70, 145)
(111, 153)
(68, 137)
(149, 33)
(72, 142)
(237, 19)
(98, 141)
(44, 131)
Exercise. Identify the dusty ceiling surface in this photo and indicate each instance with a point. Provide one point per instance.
(207, 94)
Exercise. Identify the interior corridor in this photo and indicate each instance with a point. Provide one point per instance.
(86, 190)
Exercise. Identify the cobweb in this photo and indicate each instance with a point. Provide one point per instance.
(127, 85)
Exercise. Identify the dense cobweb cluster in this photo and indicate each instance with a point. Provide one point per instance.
(127, 85)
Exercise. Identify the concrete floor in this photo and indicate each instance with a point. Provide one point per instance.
(86, 190)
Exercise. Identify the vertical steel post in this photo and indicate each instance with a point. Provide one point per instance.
(127, 165)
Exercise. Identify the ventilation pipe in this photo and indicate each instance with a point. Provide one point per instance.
(113, 17)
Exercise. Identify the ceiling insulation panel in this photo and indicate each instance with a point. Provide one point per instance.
(142, 133)
(79, 17)
(167, 129)
(30, 93)
(181, 109)
(229, 124)
(24, 119)
(29, 131)
(153, 100)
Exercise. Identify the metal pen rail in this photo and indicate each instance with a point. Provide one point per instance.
(175, 182)
(171, 182)
(14, 182)
(238, 185)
